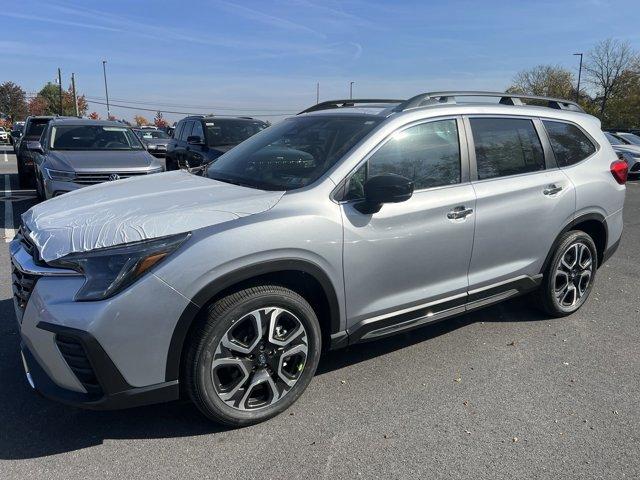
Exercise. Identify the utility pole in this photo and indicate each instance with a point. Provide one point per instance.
(317, 93)
(351, 90)
(75, 97)
(60, 89)
(579, 75)
(106, 90)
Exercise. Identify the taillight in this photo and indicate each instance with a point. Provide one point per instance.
(620, 170)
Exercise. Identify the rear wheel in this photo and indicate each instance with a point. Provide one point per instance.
(253, 355)
(569, 278)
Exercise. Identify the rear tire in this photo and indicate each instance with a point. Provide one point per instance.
(569, 278)
(252, 355)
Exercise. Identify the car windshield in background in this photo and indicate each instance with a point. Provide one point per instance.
(93, 137)
(631, 138)
(231, 132)
(293, 153)
(150, 134)
(613, 140)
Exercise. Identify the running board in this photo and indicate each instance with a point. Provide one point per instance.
(425, 314)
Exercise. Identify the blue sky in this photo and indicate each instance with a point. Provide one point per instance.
(265, 57)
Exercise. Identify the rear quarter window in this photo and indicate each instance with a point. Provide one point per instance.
(570, 145)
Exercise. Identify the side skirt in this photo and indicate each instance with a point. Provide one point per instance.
(407, 319)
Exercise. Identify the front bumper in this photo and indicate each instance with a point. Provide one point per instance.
(100, 355)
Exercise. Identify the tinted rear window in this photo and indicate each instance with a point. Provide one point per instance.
(36, 128)
(569, 144)
(506, 146)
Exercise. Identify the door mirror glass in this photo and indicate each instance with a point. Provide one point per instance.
(386, 188)
(194, 140)
(34, 146)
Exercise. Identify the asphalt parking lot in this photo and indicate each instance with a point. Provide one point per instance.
(505, 392)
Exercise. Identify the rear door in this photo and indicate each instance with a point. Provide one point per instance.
(523, 199)
(416, 252)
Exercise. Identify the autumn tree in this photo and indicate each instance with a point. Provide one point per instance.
(545, 81)
(605, 66)
(159, 121)
(140, 120)
(94, 116)
(50, 93)
(38, 106)
(13, 101)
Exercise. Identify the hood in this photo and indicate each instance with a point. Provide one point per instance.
(107, 160)
(138, 208)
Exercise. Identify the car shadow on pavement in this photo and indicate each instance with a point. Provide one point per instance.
(32, 426)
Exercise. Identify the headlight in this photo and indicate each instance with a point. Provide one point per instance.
(60, 175)
(109, 270)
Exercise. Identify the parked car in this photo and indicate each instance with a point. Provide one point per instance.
(156, 142)
(74, 153)
(627, 137)
(199, 140)
(4, 135)
(16, 133)
(628, 151)
(347, 223)
(33, 128)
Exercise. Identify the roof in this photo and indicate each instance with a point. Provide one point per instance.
(86, 121)
(222, 117)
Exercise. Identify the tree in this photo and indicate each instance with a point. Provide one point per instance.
(159, 121)
(51, 95)
(13, 101)
(606, 63)
(38, 106)
(140, 120)
(112, 118)
(544, 80)
(94, 116)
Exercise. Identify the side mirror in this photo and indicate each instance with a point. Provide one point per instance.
(386, 188)
(34, 146)
(194, 140)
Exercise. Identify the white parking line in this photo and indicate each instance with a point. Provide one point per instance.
(6, 158)
(9, 232)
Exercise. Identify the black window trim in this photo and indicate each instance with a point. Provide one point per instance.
(549, 158)
(341, 190)
(593, 141)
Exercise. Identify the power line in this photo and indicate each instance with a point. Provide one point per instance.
(176, 105)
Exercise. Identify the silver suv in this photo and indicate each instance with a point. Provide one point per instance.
(349, 222)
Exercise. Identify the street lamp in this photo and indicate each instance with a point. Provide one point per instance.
(579, 75)
(106, 90)
(351, 90)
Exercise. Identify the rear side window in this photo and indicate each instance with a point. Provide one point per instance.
(506, 146)
(568, 142)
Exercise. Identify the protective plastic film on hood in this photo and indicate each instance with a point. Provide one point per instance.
(137, 209)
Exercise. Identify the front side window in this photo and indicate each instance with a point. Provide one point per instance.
(231, 132)
(428, 154)
(93, 137)
(197, 130)
(293, 153)
(186, 131)
(506, 146)
(568, 143)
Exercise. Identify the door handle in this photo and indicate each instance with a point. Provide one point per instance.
(459, 212)
(552, 190)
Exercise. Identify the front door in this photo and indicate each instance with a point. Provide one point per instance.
(412, 256)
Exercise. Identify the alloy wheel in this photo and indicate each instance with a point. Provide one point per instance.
(259, 358)
(573, 275)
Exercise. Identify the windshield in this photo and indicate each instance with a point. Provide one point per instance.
(150, 134)
(231, 132)
(93, 137)
(613, 140)
(631, 138)
(293, 153)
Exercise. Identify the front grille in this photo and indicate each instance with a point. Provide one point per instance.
(22, 285)
(76, 357)
(92, 178)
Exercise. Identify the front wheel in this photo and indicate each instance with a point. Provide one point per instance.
(253, 355)
(569, 278)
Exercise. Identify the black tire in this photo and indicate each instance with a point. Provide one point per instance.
(206, 340)
(547, 297)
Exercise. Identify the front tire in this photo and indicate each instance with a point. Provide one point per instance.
(569, 278)
(252, 355)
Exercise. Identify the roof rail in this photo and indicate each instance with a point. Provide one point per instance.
(433, 98)
(350, 102)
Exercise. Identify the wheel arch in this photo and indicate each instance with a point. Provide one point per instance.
(287, 272)
(594, 224)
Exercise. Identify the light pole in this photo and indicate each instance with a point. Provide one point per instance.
(579, 75)
(317, 93)
(106, 90)
(351, 90)
(60, 89)
(75, 97)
